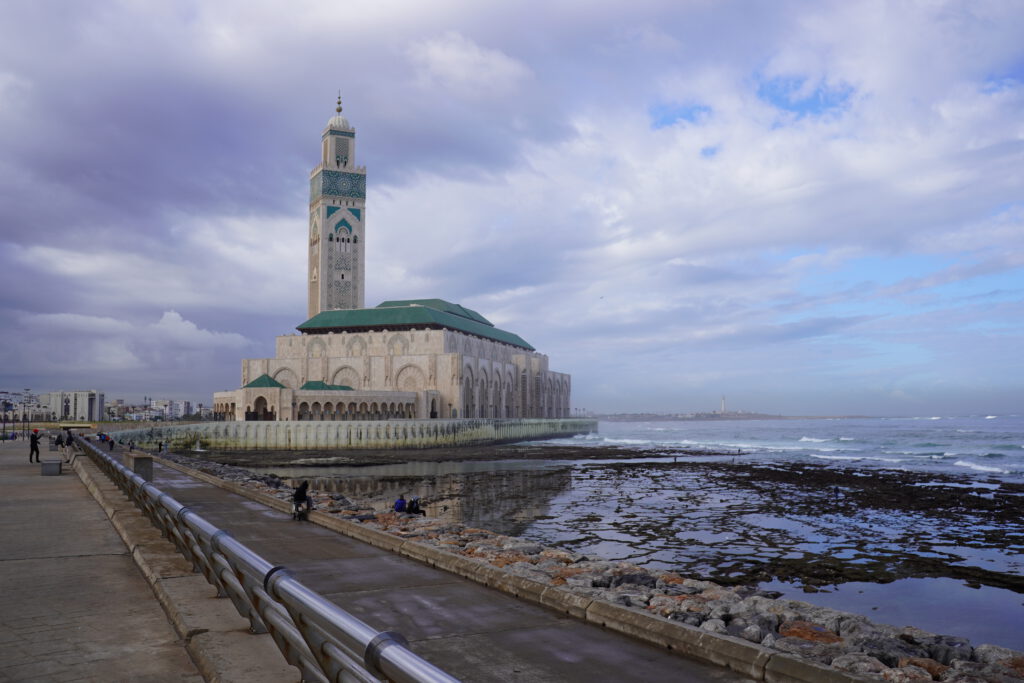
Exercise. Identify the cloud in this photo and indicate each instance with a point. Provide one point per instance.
(463, 68)
(70, 350)
(672, 201)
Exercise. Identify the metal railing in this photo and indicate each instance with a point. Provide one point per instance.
(324, 641)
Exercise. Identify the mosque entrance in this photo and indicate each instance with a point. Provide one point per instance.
(260, 411)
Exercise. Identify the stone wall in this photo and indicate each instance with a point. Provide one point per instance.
(353, 434)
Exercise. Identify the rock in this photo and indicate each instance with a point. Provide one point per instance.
(934, 669)
(994, 654)
(944, 649)
(808, 631)
(626, 600)
(523, 548)
(688, 618)
(752, 633)
(808, 649)
(976, 672)
(1014, 664)
(906, 674)
(714, 626)
(887, 650)
(858, 663)
(637, 578)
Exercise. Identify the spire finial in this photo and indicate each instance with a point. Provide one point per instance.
(338, 108)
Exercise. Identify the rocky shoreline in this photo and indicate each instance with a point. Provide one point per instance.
(842, 640)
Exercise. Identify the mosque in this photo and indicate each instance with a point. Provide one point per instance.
(413, 358)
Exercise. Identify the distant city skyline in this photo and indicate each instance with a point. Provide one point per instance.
(811, 208)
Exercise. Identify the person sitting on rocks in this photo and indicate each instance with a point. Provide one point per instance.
(413, 508)
(400, 503)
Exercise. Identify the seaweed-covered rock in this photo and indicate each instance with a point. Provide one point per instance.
(808, 631)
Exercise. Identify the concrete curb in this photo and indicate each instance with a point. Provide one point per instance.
(742, 656)
(215, 636)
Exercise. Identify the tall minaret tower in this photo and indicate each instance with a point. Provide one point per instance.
(337, 216)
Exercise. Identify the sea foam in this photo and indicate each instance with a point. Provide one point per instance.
(979, 468)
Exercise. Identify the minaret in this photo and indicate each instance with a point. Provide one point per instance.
(337, 215)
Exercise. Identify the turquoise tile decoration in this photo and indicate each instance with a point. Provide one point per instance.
(337, 184)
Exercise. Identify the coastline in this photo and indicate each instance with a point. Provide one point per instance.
(511, 451)
(810, 490)
(847, 641)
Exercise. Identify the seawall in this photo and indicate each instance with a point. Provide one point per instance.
(375, 434)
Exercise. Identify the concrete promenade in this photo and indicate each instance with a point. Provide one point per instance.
(473, 632)
(73, 604)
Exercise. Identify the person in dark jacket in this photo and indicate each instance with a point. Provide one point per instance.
(33, 445)
(301, 503)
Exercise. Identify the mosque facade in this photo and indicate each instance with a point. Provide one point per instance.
(404, 359)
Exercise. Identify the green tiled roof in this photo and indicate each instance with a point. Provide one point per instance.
(264, 381)
(440, 305)
(324, 386)
(393, 315)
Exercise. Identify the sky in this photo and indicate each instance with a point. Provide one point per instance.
(810, 208)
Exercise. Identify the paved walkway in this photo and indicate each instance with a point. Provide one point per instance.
(73, 604)
(473, 632)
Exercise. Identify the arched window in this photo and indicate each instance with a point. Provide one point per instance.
(355, 239)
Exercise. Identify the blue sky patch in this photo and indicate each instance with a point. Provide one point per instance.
(787, 94)
(1004, 80)
(664, 115)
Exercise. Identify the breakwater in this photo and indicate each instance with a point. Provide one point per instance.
(340, 435)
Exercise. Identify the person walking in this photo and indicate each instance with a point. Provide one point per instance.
(33, 448)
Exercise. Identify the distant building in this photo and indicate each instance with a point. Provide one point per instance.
(416, 358)
(73, 405)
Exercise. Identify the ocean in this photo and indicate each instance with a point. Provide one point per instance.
(981, 446)
(725, 514)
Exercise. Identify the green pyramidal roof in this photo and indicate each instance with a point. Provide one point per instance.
(264, 381)
(393, 315)
(324, 386)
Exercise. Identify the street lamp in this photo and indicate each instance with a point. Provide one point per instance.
(5, 405)
(26, 415)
